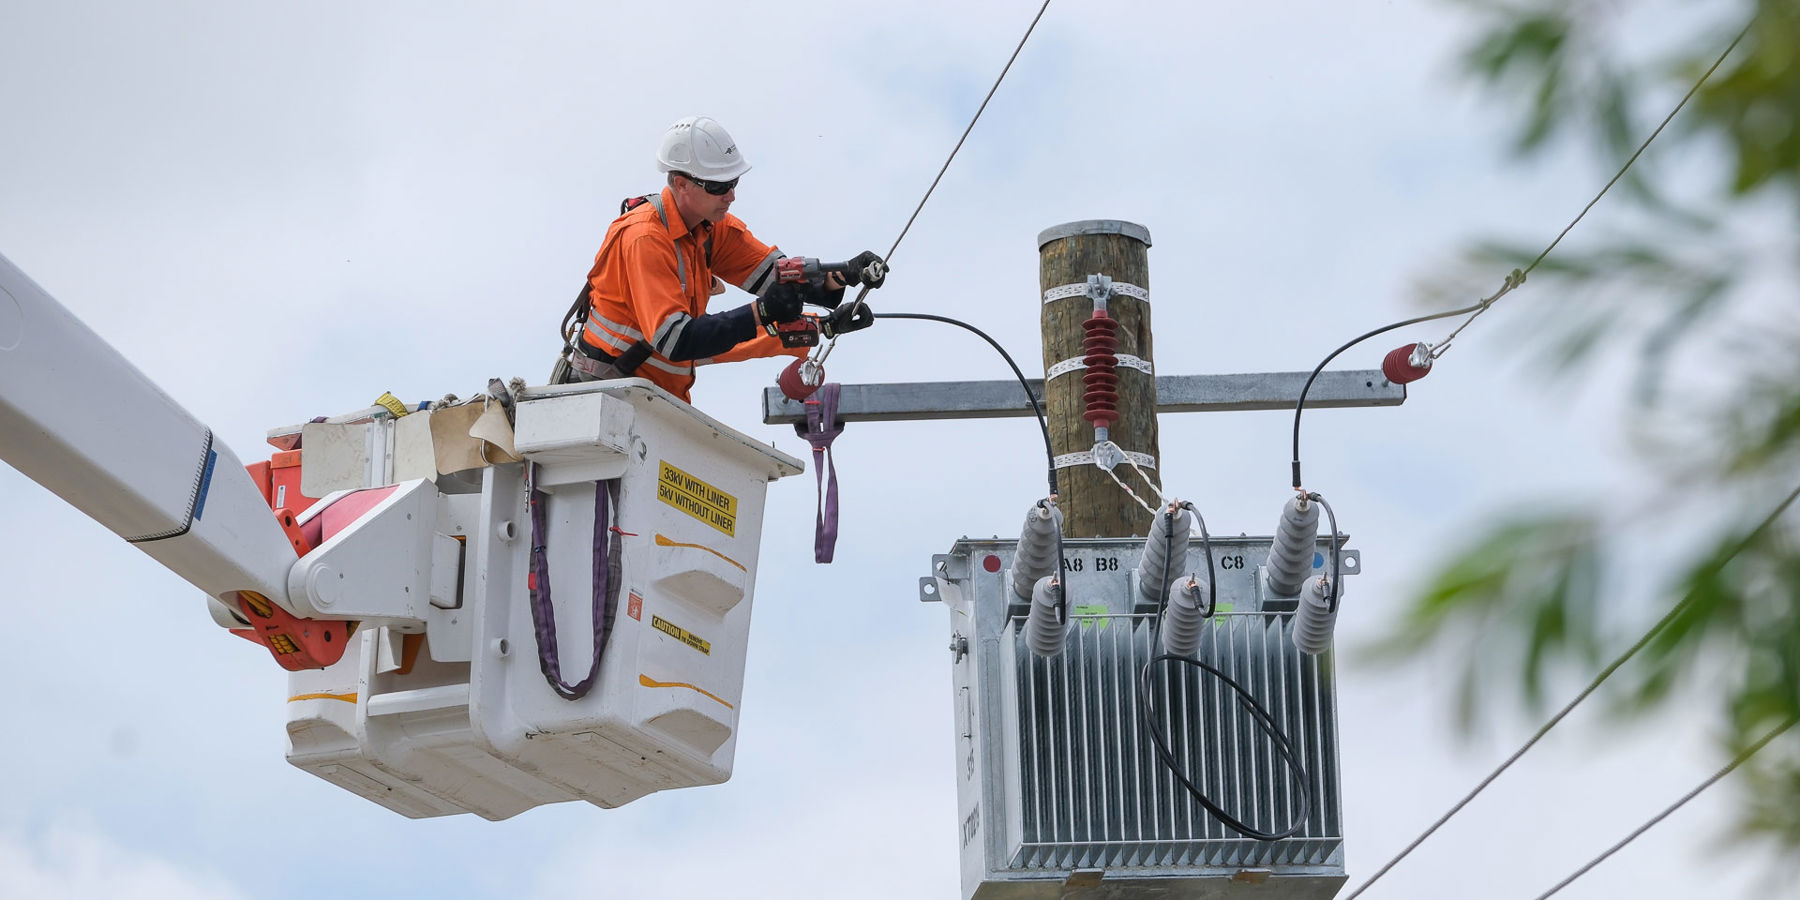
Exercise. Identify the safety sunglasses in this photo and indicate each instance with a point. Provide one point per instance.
(715, 188)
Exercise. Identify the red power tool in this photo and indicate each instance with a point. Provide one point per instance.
(809, 270)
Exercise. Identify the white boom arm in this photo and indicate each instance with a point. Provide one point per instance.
(434, 669)
(80, 420)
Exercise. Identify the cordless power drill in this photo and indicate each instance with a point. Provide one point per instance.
(808, 270)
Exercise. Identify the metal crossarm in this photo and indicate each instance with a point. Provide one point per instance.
(909, 402)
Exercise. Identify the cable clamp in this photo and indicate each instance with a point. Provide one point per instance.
(1099, 290)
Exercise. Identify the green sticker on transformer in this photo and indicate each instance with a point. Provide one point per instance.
(1090, 609)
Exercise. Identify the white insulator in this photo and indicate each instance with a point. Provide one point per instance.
(1043, 630)
(1163, 561)
(1035, 556)
(1296, 540)
(1315, 620)
(1181, 621)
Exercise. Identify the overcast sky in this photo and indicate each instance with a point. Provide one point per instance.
(279, 211)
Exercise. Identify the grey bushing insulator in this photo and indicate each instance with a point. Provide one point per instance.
(1035, 556)
(1315, 620)
(1043, 630)
(1296, 540)
(1182, 620)
(1159, 555)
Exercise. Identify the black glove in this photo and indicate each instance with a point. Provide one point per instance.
(866, 268)
(845, 319)
(781, 303)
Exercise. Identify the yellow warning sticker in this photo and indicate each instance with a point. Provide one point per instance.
(681, 634)
(697, 498)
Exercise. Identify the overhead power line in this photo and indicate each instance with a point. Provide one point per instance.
(1514, 278)
(1517, 277)
(965, 134)
(1735, 762)
(825, 351)
(1570, 707)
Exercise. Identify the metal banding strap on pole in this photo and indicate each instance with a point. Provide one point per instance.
(1080, 290)
(1126, 361)
(196, 500)
(1086, 458)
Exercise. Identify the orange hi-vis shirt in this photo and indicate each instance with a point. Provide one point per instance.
(650, 280)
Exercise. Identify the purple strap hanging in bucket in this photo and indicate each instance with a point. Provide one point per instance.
(606, 578)
(821, 428)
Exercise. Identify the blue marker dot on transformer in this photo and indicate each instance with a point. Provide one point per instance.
(1318, 559)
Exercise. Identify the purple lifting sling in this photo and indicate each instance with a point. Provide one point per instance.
(606, 579)
(821, 428)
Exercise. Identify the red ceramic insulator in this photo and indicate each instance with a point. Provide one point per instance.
(1101, 380)
(1398, 367)
(793, 386)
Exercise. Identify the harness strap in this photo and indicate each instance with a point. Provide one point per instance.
(680, 261)
(607, 576)
(820, 430)
(583, 306)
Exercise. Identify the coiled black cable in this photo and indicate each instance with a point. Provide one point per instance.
(1266, 722)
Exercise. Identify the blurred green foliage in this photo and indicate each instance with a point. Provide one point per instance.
(1697, 270)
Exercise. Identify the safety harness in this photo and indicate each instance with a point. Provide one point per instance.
(607, 576)
(596, 364)
(820, 429)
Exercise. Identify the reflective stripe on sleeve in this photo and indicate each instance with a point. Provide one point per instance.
(669, 333)
(761, 278)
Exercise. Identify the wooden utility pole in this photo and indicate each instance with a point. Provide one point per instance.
(1092, 505)
(1068, 258)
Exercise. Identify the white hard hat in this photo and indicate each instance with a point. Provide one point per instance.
(699, 146)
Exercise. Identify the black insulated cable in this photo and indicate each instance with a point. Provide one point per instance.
(1300, 405)
(1518, 276)
(1024, 385)
(1062, 574)
(1337, 548)
(1212, 578)
(1264, 721)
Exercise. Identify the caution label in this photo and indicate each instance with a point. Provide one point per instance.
(697, 498)
(681, 634)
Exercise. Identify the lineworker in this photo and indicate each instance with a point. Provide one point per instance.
(642, 311)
